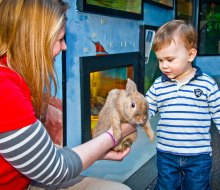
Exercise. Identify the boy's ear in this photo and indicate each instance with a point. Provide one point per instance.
(192, 54)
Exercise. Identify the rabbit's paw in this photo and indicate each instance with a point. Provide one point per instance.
(150, 134)
(127, 143)
(123, 145)
(118, 148)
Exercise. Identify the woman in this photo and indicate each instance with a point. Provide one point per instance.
(31, 36)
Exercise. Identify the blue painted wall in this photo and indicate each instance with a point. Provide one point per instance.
(117, 35)
(156, 16)
(209, 64)
(58, 68)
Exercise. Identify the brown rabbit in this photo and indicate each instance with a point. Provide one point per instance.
(124, 106)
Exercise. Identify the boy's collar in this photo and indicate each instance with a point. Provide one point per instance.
(198, 73)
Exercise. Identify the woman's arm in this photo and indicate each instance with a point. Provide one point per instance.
(99, 147)
(31, 151)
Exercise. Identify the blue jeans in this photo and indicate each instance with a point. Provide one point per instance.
(183, 172)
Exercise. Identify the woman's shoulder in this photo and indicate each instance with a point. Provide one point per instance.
(9, 78)
(8, 74)
(15, 100)
(13, 85)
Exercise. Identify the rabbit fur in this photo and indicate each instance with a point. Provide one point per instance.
(124, 106)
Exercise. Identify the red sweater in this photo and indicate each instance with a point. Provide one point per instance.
(16, 112)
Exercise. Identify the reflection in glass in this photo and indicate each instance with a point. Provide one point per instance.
(122, 5)
(209, 27)
(184, 10)
(101, 83)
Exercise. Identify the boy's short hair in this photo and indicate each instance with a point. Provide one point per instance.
(166, 33)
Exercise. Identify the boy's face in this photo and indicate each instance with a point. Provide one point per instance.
(175, 60)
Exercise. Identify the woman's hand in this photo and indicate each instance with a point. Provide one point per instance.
(116, 156)
(100, 147)
(126, 129)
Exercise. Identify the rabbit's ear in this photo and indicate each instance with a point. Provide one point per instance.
(130, 87)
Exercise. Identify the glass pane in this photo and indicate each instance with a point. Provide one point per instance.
(129, 6)
(152, 70)
(209, 27)
(101, 83)
(184, 10)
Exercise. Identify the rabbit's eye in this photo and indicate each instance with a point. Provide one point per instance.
(133, 105)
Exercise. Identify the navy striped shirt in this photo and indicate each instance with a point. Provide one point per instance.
(186, 111)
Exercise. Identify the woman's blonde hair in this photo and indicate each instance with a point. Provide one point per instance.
(28, 31)
(166, 33)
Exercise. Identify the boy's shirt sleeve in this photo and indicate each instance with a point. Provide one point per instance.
(214, 105)
(151, 97)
